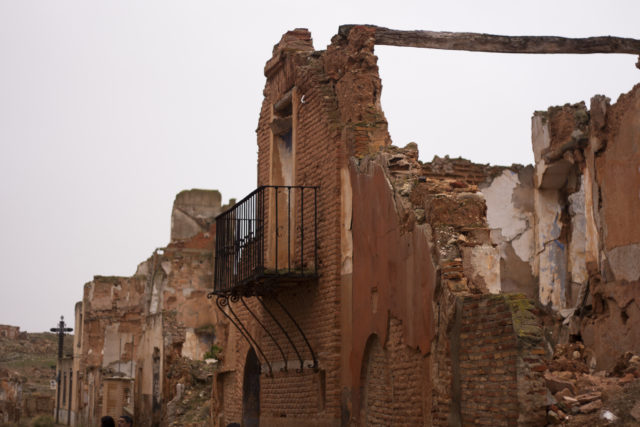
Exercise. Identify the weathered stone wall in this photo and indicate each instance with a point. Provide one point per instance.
(8, 331)
(11, 404)
(133, 329)
(194, 211)
(111, 326)
(179, 321)
(611, 181)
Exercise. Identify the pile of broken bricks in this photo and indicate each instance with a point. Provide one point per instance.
(580, 396)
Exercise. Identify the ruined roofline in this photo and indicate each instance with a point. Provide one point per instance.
(500, 44)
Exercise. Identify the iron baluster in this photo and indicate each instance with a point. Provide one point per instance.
(241, 250)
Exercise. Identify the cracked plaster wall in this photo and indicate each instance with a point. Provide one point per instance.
(510, 217)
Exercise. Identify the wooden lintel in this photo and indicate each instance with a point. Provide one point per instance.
(281, 125)
(503, 44)
(284, 102)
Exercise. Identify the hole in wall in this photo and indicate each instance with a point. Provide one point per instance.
(624, 316)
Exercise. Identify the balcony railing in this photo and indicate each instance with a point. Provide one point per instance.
(267, 240)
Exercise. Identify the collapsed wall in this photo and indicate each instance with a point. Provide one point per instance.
(442, 287)
(587, 185)
(434, 262)
(419, 240)
(133, 333)
(483, 354)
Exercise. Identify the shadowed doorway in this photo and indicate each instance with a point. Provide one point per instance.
(251, 391)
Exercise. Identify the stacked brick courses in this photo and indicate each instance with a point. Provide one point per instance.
(488, 355)
(318, 160)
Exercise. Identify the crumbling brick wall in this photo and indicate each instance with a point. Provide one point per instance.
(482, 342)
(500, 360)
(318, 161)
(399, 243)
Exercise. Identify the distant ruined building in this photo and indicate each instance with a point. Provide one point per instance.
(360, 286)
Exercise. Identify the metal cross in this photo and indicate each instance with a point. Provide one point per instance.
(60, 330)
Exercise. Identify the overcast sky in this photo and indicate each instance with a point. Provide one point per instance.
(108, 109)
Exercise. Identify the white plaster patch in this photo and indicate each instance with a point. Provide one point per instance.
(625, 262)
(501, 213)
(192, 348)
(523, 246)
(548, 211)
(578, 242)
(485, 262)
(552, 275)
(155, 299)
(127, 368)
(166, 267)
(114, 342)
(540, 138)
(592, 237)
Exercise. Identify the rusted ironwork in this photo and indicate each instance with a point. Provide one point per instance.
(265, 243)
(224, 301)
(284, 331)
(268, 333)
(304, 337)
(246, 231)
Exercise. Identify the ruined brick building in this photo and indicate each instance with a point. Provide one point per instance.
(131, 330)
(360, 286)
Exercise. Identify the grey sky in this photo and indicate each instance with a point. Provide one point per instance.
(108, 109)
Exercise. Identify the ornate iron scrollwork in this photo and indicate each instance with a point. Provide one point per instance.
(224, 301)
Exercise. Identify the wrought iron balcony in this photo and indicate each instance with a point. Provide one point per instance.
(266, 241)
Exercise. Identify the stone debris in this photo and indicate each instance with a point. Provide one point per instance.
(583, 397)
(192, 401)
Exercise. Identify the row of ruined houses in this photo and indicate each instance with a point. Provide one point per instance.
(361, 286)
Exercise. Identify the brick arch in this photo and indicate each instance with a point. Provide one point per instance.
(376, 397)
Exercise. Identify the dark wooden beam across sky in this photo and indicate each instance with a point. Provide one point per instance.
(506, 44)
(502, 44)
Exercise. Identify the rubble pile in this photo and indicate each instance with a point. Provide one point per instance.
(580, 396)
(192, 381)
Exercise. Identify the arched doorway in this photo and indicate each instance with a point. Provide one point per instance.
(251, 391)
(376, 401)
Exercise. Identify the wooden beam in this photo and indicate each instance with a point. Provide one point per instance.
(281, 125)
(283, 103)
(502, 44)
